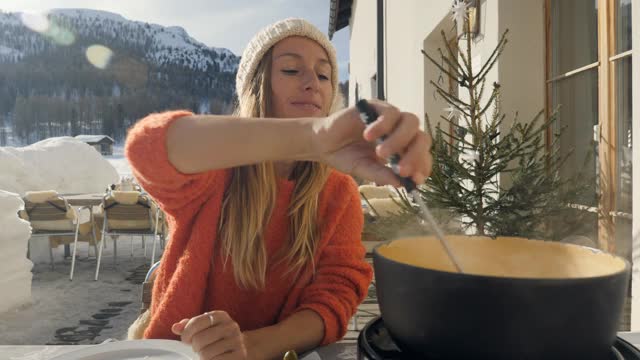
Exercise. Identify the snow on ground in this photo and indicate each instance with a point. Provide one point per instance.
(63, 164)
(13, 264)
(63, 311)
(58, 305)
(119, 162)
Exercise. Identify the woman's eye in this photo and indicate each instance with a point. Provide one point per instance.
(323, 77)
(290, 72)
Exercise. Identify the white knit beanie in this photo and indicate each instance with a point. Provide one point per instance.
(269, 36)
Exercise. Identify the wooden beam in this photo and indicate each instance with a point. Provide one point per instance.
(612, 121)
(606, 123)
(547, 70)
(574, 72)
(635, 227)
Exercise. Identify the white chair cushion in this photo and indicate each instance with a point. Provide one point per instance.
(376, 192)
(40, 196)
(126, 197)
(385, 207)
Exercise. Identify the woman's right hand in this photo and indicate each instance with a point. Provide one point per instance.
(213, 336)
(344, 142)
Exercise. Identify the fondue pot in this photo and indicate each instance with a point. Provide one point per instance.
(517, 298)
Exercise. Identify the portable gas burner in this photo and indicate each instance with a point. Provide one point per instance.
(375, 343)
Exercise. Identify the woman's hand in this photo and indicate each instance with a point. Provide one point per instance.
(342, 141)
(213, 336)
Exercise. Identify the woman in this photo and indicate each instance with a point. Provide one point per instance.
(265, 253)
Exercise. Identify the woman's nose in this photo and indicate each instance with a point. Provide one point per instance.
(310, 80)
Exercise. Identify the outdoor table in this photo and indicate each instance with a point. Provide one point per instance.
(84, 199)
(338, 351)
(90, 200)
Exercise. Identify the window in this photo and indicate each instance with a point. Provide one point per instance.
(589, 79)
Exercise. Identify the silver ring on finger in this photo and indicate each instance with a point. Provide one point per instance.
(210, 315)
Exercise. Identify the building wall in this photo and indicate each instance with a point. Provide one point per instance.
(433, 103)
(408, 23)
(362, 49)
(635, 286)
(521, 68)
(413, 25)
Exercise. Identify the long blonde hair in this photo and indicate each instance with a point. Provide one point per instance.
(250, 198)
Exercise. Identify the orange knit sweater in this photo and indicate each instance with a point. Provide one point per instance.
(185, 286)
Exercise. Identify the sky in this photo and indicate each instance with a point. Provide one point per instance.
(221, 23)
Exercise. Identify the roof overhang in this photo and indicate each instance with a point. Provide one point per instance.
(339, 15)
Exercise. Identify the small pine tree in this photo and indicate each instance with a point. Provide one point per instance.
(470, 161)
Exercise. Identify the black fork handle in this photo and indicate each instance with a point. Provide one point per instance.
(368, 115)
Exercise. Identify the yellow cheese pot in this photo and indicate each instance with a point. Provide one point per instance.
(516, 298)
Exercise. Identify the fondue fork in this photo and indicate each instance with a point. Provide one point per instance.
(368, 115)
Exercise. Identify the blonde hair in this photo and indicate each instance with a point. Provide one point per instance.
(250, 198)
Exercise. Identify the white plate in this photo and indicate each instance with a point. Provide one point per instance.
(133, 350)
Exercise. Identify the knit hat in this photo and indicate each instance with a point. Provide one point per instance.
(269, 36)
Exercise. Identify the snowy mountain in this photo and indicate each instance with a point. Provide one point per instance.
(79, 71)
(162, 45)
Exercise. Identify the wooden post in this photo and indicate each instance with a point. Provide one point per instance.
(606, 123)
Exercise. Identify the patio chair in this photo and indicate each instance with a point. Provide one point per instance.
(136, 329)
(51, 215)
(377, 192)
(379, 200)
(128, 213)
(147, 287)
(129, 184)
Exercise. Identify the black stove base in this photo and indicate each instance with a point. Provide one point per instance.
(375, 343)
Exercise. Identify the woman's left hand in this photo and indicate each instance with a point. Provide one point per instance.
(213, 336)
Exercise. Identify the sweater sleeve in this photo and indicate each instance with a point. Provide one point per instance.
(342, 276)
(146, 151)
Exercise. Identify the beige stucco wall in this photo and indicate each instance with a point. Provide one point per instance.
(635, 286)
(433, 103)
(408, 25)
(521, 70)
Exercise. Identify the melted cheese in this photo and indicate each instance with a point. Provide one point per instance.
(505, 257)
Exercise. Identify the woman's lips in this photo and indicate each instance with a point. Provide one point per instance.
(307, 106)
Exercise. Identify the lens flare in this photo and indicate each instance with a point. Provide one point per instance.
(36, 22)
(40, 23)
(99, 56)
(60, 35)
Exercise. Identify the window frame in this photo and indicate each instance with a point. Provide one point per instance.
(607, 115)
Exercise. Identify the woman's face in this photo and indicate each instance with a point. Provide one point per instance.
(300, 79)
